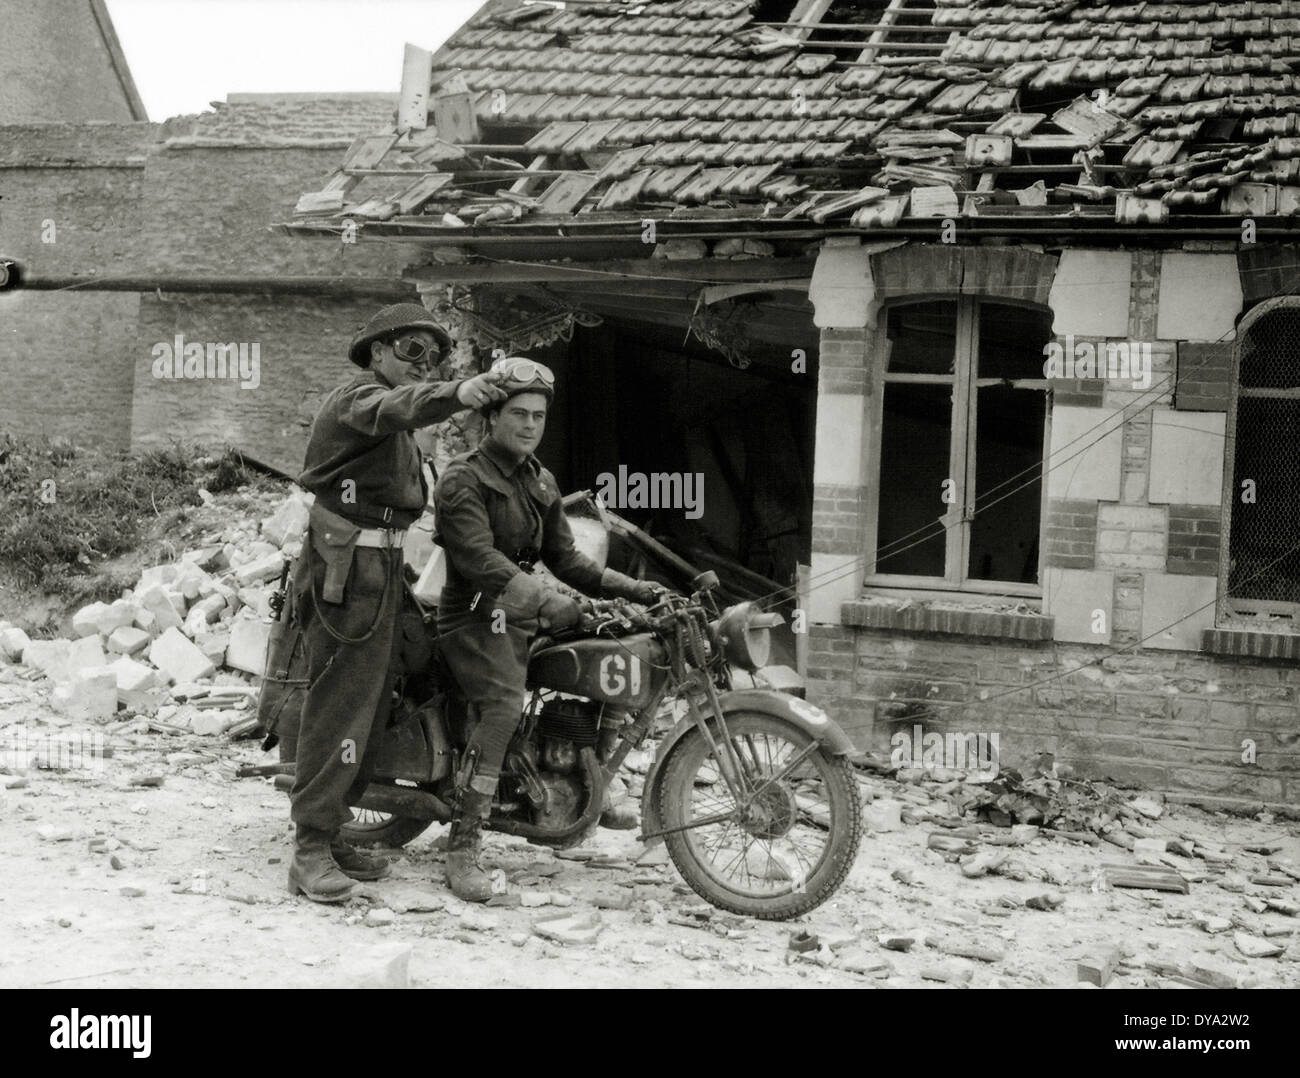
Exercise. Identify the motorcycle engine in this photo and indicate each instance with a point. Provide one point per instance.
(563, 728)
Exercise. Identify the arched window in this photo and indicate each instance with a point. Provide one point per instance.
(1260, 560)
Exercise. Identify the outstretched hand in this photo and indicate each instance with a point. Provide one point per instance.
(481, 390)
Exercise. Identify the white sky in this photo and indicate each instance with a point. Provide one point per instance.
(184, 54)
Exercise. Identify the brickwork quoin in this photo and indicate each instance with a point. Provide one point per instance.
(1221, 728)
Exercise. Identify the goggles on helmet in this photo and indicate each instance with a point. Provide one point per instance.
(519, 374)
(411, 349)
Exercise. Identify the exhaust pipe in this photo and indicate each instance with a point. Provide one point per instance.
(397, 800)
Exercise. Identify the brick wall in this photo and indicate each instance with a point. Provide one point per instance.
(302, 346)
(1194, 534)
(65, 362)
(1160, 719)
(116, 202)
(1070, 534)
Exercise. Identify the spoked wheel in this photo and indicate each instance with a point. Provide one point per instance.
(786, 850)
(374, 828)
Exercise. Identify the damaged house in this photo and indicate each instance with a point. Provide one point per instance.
(974, 321)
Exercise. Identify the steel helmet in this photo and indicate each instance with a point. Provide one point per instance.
(387, 321)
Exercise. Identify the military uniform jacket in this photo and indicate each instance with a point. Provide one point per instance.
(362, 461)
(489, 509)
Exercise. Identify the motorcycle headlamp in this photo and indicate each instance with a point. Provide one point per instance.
(744, 635)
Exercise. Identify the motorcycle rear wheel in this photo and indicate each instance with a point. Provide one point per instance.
(762, 868)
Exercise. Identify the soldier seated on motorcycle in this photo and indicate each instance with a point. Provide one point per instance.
(496, 508)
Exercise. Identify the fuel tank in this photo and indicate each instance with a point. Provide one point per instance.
(626, 671)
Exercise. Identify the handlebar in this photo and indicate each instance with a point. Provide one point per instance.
(602, 614)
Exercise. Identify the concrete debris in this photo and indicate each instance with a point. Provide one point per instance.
(1254, 947)
(265, 568)
(898, 941)
(1047, 901)
(576, 928)
(128, 639)
(13, 642)
(247, 648)
(178, 658)
(378, 918)
(1098, 968)
(90, 695)
(381, 967)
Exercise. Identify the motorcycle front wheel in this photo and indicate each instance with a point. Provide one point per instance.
(790, 850)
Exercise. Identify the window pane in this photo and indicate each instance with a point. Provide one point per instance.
(1263, 565)
(924, 337)
(914, 450)
(1011, 341)
(1008, 484)
(1270, 351)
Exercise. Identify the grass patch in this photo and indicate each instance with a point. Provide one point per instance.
(64, 509)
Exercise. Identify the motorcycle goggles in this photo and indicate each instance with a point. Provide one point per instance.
(520, 374)
(411, 349)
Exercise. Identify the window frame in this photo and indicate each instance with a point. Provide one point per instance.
(1227, 606)
(955, 582)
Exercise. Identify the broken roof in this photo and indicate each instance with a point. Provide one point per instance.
(1127, 113)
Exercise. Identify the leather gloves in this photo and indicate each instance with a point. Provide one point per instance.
(558, 611)
(622, 586)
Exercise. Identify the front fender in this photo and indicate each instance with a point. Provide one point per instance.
(807, 717)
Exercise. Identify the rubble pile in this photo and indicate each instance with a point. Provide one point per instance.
(1003, 826)
(177, 649)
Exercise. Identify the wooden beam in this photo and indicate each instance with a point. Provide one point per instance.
(702, 271)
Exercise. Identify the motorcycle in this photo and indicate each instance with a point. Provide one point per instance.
(751, 791)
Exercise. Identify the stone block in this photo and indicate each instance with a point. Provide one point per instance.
(838, 578)
(88, 696)
(85, 622)
(211, 723)
(213, 645)
(1187, 457)
(842, 289)
(207, 558)
(1090, 293)
(247, 650)
(13, 642)
(1200, 297)
(1175, 608)
(50, 657)
(1086, 456)
(137, 684)
(288, 523)
(838, 454)
(1080, 601)
(84, 654)
(144, 619)
(128, 640)
(158, 574)
(261, 569)
(190, 581)
(163, 606)
(178, 659)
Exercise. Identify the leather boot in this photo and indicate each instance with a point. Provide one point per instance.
(313, 872)
(355, 864)
(467, 881)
